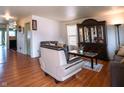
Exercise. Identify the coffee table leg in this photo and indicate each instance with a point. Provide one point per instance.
(92, 63)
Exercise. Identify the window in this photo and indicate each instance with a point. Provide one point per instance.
(12, 33)
(72, 35)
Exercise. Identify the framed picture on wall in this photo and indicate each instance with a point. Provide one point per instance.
(19, 28)
(34, 24)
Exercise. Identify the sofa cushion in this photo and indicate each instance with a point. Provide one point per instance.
(122, 61)
(118, 58)
(121, 52)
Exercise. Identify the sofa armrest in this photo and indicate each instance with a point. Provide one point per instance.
(67, 69)
(117, 74)
(116, 64)
(72, 64)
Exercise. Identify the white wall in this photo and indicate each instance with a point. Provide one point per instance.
(47, 30)
(111, 31)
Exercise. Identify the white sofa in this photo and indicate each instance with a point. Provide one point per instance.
(53, 62)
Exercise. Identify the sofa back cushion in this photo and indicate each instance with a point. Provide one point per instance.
(122, 61)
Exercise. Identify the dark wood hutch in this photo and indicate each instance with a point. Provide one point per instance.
(92, 36)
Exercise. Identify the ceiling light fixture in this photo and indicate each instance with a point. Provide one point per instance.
(7, 16)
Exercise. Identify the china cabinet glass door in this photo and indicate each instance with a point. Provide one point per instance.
(100, 34)
(81, 34)
(86, 35)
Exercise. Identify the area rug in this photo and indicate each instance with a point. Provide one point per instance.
(87, 65)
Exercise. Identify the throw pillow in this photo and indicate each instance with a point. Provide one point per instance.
(122, 46)
(52, 44)
(121, 52)
(60, 45)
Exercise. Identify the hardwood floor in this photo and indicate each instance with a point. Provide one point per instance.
(20, 70)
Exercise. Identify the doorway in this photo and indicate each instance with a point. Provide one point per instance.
(0, 37)
(3, 37)
(28, 38)
(3, 45)
(12, 39)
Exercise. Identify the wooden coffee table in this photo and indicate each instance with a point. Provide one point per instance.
(90, 55)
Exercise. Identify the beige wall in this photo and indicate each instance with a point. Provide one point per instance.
(47, 30)
(53, 30)
(111, 31)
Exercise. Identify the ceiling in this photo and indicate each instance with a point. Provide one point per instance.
(59, 13)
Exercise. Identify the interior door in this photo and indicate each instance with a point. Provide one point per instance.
(28, 38)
